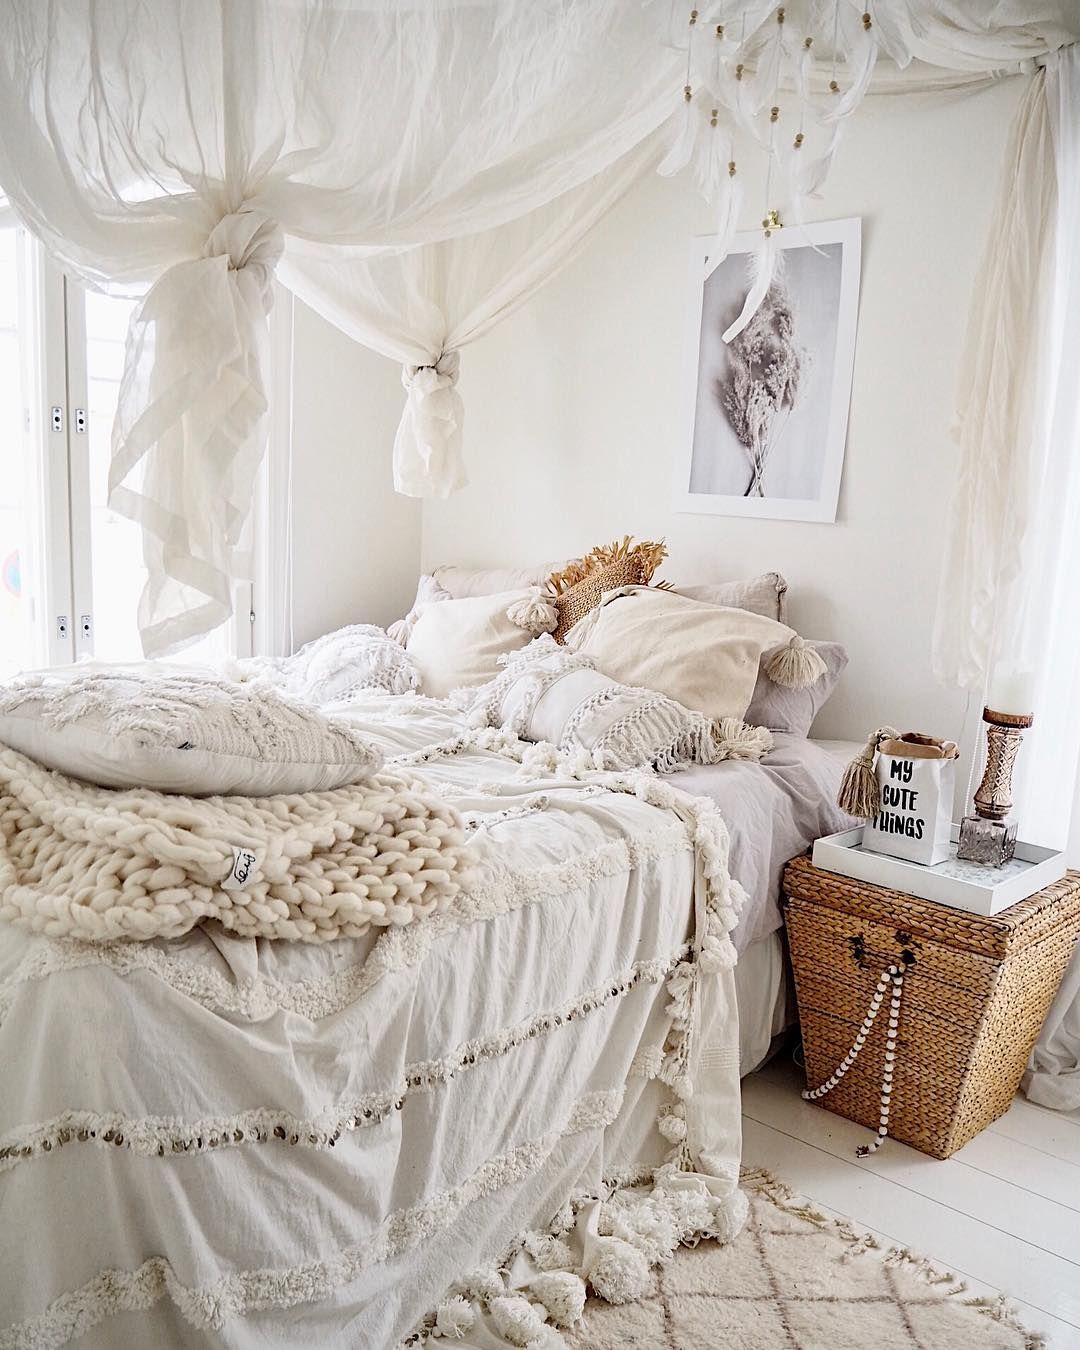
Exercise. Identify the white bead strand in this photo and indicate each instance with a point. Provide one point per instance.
(894, 976)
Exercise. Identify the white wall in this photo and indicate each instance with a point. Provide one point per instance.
(356, 543)
(574, 414)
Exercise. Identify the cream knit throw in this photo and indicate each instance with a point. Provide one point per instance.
(97, 864)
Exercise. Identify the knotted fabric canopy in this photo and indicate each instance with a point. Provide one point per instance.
(419, 167)
(176, 146)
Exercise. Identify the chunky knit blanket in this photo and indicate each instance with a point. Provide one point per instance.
(98, 864)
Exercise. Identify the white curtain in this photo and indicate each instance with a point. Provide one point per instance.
(1052, 600)
(177, 146)
(994, 405)
(1010, 592)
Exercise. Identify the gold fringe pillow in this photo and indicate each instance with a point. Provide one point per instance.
(577, 589)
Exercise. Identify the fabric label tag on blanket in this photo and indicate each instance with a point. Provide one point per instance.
(243, 868)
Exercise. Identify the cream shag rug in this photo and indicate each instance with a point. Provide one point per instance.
(796, 1280)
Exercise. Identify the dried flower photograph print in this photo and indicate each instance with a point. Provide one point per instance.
(769, 407)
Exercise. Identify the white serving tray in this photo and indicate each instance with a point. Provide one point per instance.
(962, 885)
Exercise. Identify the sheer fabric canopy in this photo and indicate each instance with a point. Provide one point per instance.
(420, 307)
(422, 166)
(177, 145)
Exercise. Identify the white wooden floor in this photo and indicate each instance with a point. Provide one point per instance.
(1003, 1213)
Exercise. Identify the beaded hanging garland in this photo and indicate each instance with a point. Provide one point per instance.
(775, 79)
(894, 976)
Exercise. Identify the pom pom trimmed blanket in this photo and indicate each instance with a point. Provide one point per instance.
(445, 1130)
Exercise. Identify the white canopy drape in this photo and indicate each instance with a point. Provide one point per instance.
(183, 146)
(177, 146)
(422, 306)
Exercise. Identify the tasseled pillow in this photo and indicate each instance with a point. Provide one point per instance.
(550, 695)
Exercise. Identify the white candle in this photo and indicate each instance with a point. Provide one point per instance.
(1012, 691)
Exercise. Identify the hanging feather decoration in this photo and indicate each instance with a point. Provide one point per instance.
(684, 147)
(762, 268)
(862, 68)
(742, 59)
(727, 221)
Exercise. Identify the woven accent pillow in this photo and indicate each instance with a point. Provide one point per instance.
(578, 588)
(188, 732)
(549, 694)
(705, 657)
(577, 600)
(783, 708)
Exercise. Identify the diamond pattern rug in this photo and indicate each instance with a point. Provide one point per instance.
(796, 1280)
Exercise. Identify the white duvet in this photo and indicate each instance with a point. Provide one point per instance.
(228, 1141)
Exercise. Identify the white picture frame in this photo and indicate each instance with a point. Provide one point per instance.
(799, 478)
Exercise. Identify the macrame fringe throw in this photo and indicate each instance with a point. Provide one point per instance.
(535, 613)
(796, 665)
(859, 793)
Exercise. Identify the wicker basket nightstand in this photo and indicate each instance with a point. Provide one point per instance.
(976, 993)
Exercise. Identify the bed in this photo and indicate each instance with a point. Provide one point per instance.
(774, 810)
(366, 1121)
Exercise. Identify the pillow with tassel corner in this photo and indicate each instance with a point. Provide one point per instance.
(706, 657)
(551, 695)
(795, 680)
(457, 644)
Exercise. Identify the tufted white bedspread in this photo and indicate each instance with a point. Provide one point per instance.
(220, 1140)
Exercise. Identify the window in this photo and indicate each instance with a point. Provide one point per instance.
(71, 570)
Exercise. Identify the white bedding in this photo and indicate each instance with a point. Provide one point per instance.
(478, 1068)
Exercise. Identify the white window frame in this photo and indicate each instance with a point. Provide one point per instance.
(271, 602)
(45, 382)
(241, 624)
(55, 377)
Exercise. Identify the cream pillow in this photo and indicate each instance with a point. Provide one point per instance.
(706, 657)
(464, 582)
(457, 643)
(187, 731)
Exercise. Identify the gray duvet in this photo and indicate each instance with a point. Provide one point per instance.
(774, 811)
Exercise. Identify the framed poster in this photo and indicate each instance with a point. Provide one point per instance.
(767, 412)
